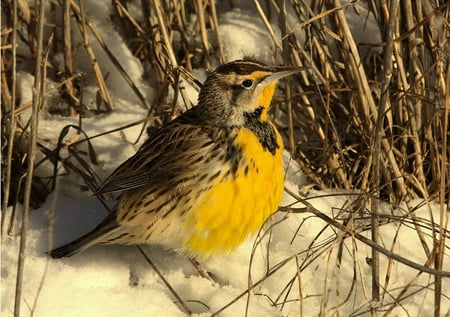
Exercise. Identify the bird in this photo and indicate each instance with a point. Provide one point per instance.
(206, 180)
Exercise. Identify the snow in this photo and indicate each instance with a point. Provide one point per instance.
(298, 257)
(243, 33)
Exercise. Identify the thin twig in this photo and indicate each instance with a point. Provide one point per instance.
(114, 60)
(367, 241)
(165, 282)
(215, 23)
(269, 28)
(377, 157)
(12, 121)
(39, 82)
(103, 89)
(68, 57)
(203, 33)
(444, 213)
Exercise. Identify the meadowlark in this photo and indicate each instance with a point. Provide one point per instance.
(206, 180)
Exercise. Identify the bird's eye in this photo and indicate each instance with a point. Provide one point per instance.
(247, 83)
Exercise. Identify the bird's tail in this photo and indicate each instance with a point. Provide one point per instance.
(106, 232)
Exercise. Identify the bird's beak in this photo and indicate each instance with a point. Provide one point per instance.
(279, 72)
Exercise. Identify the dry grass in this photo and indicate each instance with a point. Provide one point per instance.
(378, 124)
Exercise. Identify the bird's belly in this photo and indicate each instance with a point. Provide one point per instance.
(238, 204)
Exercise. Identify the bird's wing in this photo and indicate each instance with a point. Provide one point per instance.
(173, 152)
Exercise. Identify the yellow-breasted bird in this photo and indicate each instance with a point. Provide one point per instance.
(206, 180)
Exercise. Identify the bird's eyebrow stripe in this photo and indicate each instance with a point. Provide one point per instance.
(257, 75)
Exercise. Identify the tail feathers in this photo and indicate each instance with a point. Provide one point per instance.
(104, 233)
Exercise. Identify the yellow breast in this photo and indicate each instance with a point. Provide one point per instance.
(237, 205)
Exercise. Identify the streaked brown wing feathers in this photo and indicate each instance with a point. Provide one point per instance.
(174, 151)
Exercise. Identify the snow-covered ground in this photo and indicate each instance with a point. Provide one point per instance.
(295, 269)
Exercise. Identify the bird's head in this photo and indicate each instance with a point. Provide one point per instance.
(240, 88)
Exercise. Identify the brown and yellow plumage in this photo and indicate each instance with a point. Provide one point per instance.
(206, 180)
